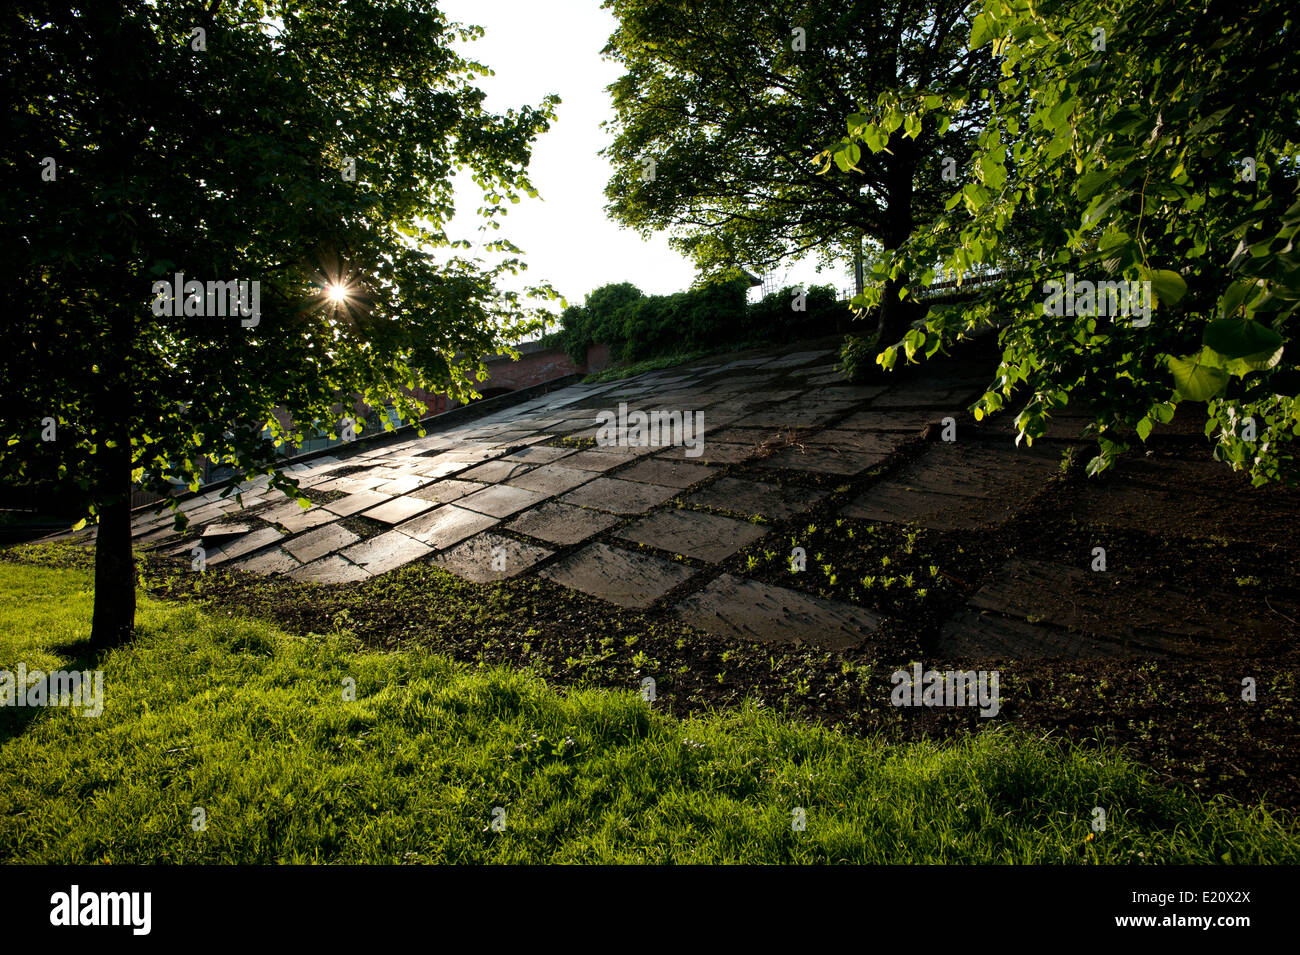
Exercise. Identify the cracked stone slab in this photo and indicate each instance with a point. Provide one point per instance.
(399, 509)
(318, 543)
(693, 533)
(448, 490)
(749, 610)
(446, 526)
(621, 577)
(501, 500)
(619, 497)
(329, 570)
(271, 561)
(667, 472)
(385, 552)
(563, 524)
(740, 496)
(490, 557)
(353, 503)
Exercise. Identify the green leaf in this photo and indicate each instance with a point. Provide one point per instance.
(1196, 380)
(1092, 181)
(1169, 287)
(1241, 338)
(993, 172)
(981, 31)
(1235, 296)
(1262, 361)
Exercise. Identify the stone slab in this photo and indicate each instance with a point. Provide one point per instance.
(621, 577)
(318, 543)
(218, 531)
(1187, 499)
(911, 421)
(404, 484)
(693, 533)
(447, 490)
(296, 519)
(539, 454)
(385, 552)
(745, 609)
(749, 498)
(243, 545)
(333, 569)
(563, 524)
(954, 486)
(1107, 606)
(501, 500)
(619, 497)
(981, 635)
(355, 502)
(490, 557)
(838, 452)
(495, 471)
(714, 453)
(592, 461)
(271, 561)
(446, 526)
(552, 479)
(399, 509)
(667, 472)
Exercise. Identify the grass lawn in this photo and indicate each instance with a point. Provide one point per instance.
(250, 725)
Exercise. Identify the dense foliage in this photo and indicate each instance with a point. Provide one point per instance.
(1146, 141)
(637, 326)
(145, 139)
(721, 98)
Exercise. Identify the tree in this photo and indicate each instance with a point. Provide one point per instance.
(1149, 142)
(722, 99)
(307, 147)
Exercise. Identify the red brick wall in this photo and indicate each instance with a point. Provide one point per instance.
(539, 366)
(532, 368)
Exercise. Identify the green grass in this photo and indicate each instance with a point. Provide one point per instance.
(251, 725)
(648, 364)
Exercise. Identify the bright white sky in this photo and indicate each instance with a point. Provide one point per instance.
(538, 47)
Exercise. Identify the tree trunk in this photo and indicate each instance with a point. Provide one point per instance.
(114, 619)
(895, 316)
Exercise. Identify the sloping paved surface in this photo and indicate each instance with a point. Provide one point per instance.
(526, 490)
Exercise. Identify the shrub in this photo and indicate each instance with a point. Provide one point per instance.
(637, 326)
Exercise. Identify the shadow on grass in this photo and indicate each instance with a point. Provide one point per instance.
(15, 720)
